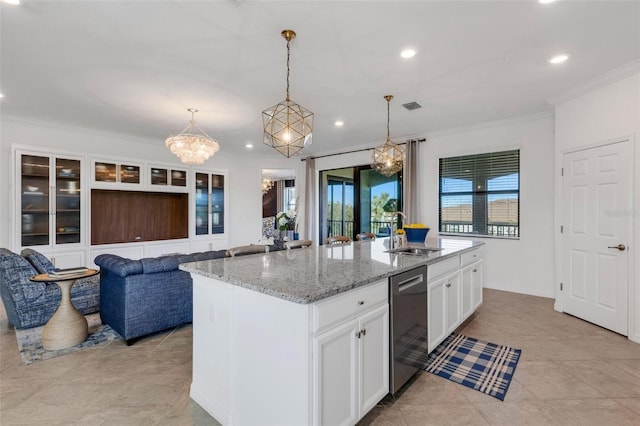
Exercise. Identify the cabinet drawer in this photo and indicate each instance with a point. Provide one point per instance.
(470, 257)
(437, 269)
(351, 304)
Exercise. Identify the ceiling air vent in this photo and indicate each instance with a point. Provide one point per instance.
(412, 105)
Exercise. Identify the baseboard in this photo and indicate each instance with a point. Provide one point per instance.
(519, 291)
(219, 413)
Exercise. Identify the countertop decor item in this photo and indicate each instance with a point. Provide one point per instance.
(416, 233)
(287, 125)
(387, 158)
(190, 147)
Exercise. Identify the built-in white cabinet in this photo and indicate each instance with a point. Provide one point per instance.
(351, 368)
(49, 204)
(454, 292)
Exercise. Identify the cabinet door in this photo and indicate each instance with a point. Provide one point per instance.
(335, 375)
(68, 201)
(466, 278)
(373, 358)
(477, 283)
(202, 203)
(436, 296)
(35, 202)
(453, 298)
(49, 199)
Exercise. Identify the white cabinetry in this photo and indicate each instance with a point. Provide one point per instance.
(472, 281)
(259, 359)
(443, 295)
(351, 368)
(454, 292)
(49, 205)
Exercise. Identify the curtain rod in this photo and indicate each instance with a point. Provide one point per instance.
(357, 150)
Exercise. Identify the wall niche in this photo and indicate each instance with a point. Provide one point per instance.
(134, 216)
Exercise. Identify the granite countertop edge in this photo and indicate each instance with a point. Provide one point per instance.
(317, 296)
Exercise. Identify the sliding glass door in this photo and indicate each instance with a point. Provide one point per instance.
(354, 200)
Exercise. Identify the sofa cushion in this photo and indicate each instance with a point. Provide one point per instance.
(38, 260)
(119, 265)
(154, 265)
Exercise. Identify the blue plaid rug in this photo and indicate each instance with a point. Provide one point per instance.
(483, 366)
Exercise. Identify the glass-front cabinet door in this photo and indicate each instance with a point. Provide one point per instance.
(49, 200)
(209, 203)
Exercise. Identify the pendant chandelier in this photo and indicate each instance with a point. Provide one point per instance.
(267, 184)
(287, 125)
(387, 158)
(192, 148)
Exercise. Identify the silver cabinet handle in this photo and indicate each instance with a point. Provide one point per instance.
(358, 334)
(360, 302)
(363, 331)
(448, 285)
(475, 270)
(620, 247)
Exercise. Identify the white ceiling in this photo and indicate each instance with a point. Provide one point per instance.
(133, 67)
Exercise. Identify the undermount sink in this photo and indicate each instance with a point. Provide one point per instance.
(415, 251)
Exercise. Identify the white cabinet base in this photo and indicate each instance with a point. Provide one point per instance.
(256, 360)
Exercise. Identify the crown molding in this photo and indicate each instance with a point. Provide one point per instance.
(606, 79)
(488, 124)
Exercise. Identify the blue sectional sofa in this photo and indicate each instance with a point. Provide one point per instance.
(29, 304)
(140, 297)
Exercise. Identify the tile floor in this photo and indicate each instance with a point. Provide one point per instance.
(570, 373)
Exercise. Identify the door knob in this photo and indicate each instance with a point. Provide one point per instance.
(620, 247)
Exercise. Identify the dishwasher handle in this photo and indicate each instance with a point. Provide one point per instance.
(409, 283)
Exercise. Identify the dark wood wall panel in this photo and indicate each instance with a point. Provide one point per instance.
(130, 216)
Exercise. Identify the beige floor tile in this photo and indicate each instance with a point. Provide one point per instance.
(442, 414)
(571, 372)
(595, 412)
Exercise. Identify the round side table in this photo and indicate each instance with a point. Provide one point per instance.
(67, 327)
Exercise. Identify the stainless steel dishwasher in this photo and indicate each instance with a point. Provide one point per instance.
(408, 328)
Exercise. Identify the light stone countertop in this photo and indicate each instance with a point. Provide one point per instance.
(307, 275)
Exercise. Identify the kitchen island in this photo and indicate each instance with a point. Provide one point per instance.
(301, 336)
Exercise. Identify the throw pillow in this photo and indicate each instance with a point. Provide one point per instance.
(38, 260)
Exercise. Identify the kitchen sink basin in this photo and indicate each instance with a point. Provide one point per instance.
(415, 251)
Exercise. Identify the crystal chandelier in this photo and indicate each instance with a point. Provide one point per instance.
(267, 183)
(287, 125)
(387, 158)
(192, 148)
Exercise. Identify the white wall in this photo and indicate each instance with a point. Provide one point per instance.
(245, 172)
(599, 115)
(524, 265)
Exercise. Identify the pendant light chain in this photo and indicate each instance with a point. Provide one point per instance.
(388, 104)
(288, 69)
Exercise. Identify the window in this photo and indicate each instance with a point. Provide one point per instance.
(480, 194)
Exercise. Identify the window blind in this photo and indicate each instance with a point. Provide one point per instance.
(479, 194)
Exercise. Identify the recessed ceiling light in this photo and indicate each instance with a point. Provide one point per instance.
(545, 1)
(339, 123)
(408, 53)
(14, 2)
(558, 59)
(248, 145)
(1, 96)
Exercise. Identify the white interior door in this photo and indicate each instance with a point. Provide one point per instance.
(597, 205)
